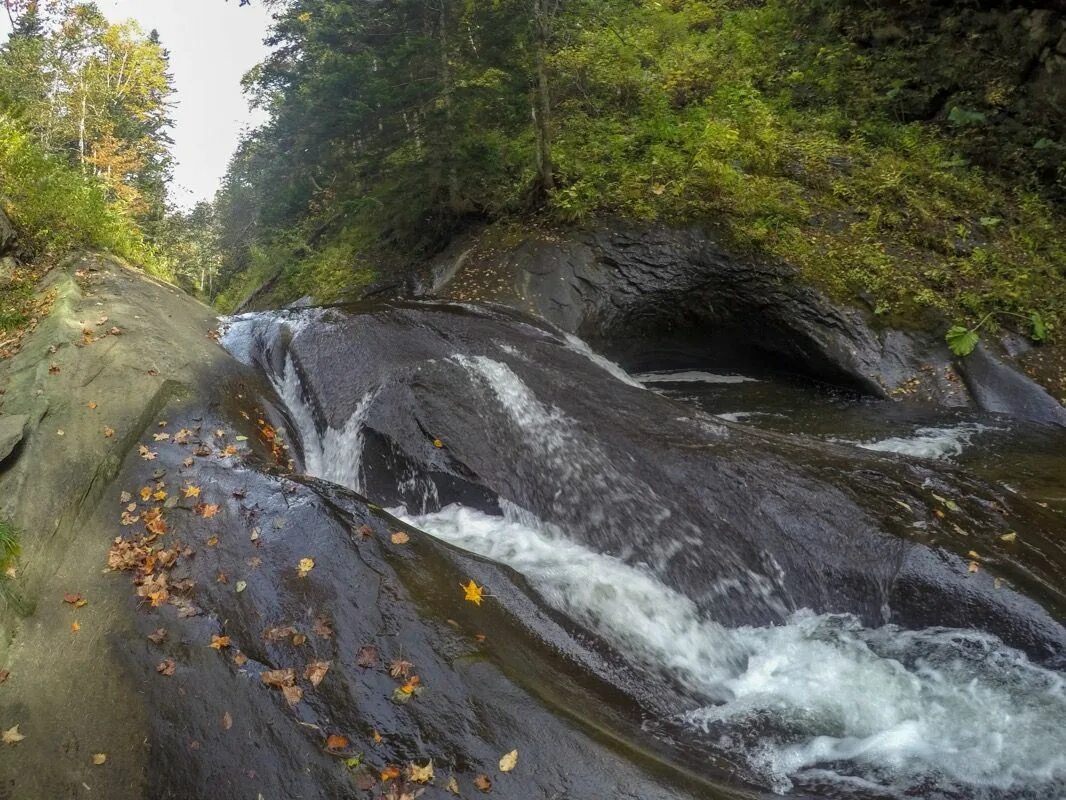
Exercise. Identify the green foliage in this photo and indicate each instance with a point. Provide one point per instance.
(962, 341)
(778, 122)
(9, 550)
(57, 208)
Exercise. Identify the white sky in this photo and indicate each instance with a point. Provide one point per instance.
(212, 43)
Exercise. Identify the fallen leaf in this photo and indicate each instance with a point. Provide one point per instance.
(453, 785)
(108, 432)
(207, 510)
(483, 783)
(974, 566)
(219, 642)
(399, 537)
(11, 736)
(292, 694)
(159, 636)
(72, 599)
(227, 721)
(241, 586)
(279, 678)
(367, 656)
(316, 671)
(146, 454)
(438, 443)
(166, 667)
(212, 541)
(92, 405)
(191, 491)
(305, 566)
(99, 758)
(4, 675)
(400, 668)
(390, 772)
(124, 497)
(472, 592)
(299, 639)
(75, 626)
(53, 369)
(187, 462)
(509, 761)
(336, 742)
(160, 437)
(419, 774)
(1009, 538)
(240, 659)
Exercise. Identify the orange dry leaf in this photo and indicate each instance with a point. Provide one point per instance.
(336, 742)
(483, 783)
(399, 537)
(219, 642)
(293, 694)
(92, 405)
(108, 432)
(166, 667)
(75, 626)
(207, 510)
(390, 772)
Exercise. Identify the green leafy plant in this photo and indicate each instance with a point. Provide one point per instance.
(962, 340)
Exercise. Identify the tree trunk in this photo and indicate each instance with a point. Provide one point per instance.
(454, 201)
(542, 97)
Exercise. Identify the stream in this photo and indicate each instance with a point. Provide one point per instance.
(666, 512)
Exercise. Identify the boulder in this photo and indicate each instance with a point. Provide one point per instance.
(12, 429)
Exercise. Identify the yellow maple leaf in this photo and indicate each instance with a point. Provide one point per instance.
(472, 592)
(191, 491)
(419, 774)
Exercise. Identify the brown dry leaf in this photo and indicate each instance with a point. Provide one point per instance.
(187, 462)
(419, 774)
(227, 721)
(299, 639)
(483, 783)
(4, 675)
(99, 759)
(53, 369)
(279, 678)
(73, 599)
(509, 761)
(231, 450)
(293, 694)
(400, 668)
(279, 632)
(108, 432)
(453, 785)
(336, 742)
(159, 636)
(146, 454)
(240, 659)
(974, 566)
(367, 657)
(11, 736)
(316, 671)
(166, 667)
(399, 537)
(92, 405)
(160, 437)
(219, 642)
(124, 497)
(305, 566)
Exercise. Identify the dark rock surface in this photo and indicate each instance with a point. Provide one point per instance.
(642, 294)
(525, 418)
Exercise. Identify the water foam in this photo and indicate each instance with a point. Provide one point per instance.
(580, 346)
(934, 443)
(886, 707)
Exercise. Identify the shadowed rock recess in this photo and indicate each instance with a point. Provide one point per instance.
(675, 606)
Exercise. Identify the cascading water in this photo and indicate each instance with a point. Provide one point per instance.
(817, 701)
